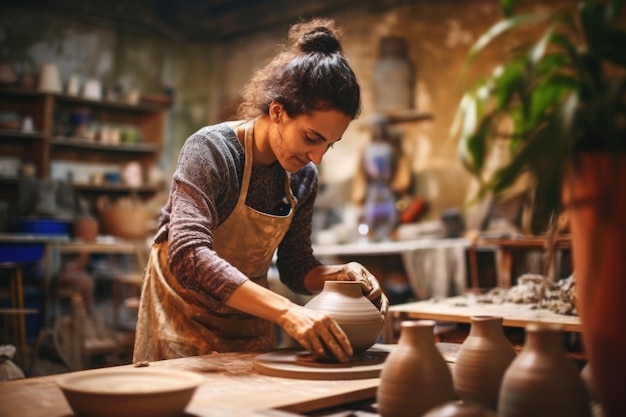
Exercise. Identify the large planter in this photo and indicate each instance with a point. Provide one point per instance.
(595, 198)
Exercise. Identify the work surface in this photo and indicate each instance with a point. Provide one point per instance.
(460, 309)
(231, 388)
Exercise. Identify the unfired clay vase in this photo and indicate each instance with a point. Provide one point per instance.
(415, 377)
(542, 381)
(480, 364)
(355, 314)
(460, 409)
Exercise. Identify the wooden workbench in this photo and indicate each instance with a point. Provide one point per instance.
(231, 388)
(460, 309)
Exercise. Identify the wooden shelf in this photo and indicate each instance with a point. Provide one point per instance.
(8, 134)
(49, 145)
(114, 188)
(142, 147)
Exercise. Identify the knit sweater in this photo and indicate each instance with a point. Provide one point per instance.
(205, 189)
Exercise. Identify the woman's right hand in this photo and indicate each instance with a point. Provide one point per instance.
(316, 332)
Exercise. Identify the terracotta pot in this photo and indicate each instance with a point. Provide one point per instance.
(355, 314)
(85, 228)
(126, 218)
(597, 214)
(542, 381)
(460, 409)
(415, 377)
(480, 364)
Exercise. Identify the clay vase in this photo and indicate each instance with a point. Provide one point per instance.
(415, 377)
(353, 312)
(542, 381)
(480, 364)
(85, 228)
(460, 409)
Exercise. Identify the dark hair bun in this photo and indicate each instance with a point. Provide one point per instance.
(321, 39)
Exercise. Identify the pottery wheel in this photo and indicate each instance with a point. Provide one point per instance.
(300, 364)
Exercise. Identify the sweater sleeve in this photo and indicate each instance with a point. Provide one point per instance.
(206, 166)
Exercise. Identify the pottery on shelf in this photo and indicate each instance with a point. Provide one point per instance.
(481, 362)
(415, 377)
(460, 409)
(353, 312)
(542, 381)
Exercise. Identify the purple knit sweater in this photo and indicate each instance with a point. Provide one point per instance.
(204, 192)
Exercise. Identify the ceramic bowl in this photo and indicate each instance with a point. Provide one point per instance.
(129, 392)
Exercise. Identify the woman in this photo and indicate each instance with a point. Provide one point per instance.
(241, 190)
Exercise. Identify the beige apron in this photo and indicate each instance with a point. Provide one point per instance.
(176, 322)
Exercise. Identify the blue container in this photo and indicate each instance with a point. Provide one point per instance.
(54, 227)
(21, 252)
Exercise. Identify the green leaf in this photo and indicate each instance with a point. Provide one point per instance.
(508, 7)
(501, 27)
(477, 144)
(509, 80)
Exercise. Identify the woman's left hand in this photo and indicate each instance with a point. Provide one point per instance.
(354, 271)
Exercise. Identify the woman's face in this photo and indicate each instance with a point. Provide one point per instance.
(305, 138)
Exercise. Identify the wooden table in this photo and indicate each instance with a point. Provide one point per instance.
(505, 248)
(443, 275)
(460, 309)
(231, 388)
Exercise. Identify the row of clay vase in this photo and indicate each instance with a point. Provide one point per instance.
(488, 377)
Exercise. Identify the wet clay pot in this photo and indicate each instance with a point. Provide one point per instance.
(480, 364)
(460, 409)
(542, 381)
(415, 377)
(355, 314)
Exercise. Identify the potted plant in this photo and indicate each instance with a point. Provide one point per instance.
(560, 103)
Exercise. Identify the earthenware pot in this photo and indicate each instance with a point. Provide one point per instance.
(542, 381)
(415, 377)
(460, 409)
(480, 364)
(355, 314)
(86, 228)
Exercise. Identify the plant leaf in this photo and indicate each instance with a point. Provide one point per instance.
(501, 27)
(508, 7)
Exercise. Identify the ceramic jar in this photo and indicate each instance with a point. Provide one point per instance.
(480, 364)
(460, 409)
(542, 381)
(85, 228)
(353, 312)
(393, 76)
(415, 377)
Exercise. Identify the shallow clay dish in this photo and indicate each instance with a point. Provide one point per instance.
(132, 392)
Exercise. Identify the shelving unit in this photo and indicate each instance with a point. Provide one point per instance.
(53, 142)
